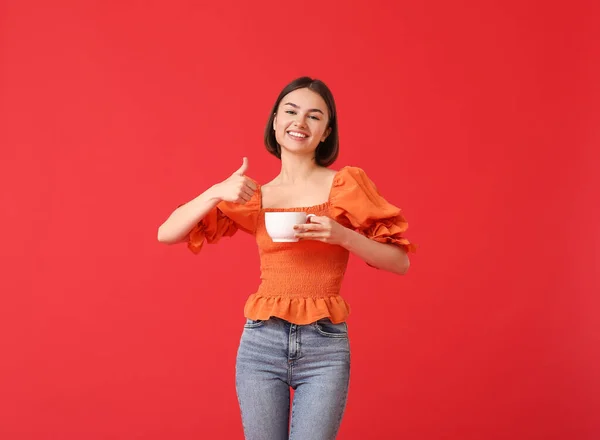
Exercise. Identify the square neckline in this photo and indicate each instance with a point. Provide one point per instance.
(317, 207)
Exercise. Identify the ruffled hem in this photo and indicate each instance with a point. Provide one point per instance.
(297, 310)
(391, 232)
(210, 229)
(223, 221)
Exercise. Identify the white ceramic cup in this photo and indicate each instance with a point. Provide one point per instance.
(280, 225)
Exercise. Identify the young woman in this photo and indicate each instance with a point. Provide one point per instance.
(295, 334)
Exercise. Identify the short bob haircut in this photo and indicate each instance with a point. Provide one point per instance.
(327, 151)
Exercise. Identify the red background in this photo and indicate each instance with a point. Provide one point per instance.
(479, 119)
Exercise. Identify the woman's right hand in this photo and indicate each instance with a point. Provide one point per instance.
(237, 188)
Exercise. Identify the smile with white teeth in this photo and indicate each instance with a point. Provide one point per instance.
(296, 134)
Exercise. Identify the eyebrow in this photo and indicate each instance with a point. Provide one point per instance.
(311, 110)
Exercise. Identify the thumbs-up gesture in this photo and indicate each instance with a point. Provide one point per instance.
(237, 188)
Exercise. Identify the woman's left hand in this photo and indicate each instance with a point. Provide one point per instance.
(322, 229)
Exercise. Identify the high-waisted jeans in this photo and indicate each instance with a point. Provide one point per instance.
(312, 359)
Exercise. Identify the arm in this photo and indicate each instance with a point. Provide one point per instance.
(176, 228)
(237, 188)
(383, 256)
(380, 255)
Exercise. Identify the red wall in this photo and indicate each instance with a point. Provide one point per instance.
(480, 119)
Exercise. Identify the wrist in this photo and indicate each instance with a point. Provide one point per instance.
(214, 193)
(348, 238)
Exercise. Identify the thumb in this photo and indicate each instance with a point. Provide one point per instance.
(243, 168)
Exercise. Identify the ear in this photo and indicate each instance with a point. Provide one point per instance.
(274, 121)
(326, 134)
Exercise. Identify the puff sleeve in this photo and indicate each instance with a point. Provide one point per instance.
(356, 203)
(223, 221)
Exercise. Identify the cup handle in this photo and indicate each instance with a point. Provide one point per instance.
(309, 216)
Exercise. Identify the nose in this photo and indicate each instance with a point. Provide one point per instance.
(299, 121)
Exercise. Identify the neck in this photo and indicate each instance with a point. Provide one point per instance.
(296, 169)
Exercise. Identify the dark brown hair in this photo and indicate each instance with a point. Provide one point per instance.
(327, 151)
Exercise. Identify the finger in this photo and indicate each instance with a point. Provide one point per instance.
(319, 219)
(250, 183)
(247, 191)
(308, 227)
(241, 170)
(311, 235)
(243, 198)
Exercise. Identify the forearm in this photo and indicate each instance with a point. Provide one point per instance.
(184, 218)
(383, 256)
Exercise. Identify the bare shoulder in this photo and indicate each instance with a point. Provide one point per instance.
(271, 185)
(324, 178)
(328, 174)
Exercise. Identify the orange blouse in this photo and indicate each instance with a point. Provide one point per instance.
(300, 282)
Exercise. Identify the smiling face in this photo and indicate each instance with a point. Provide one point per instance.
(301, 121)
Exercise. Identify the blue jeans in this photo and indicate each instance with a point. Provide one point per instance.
(313, 359)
